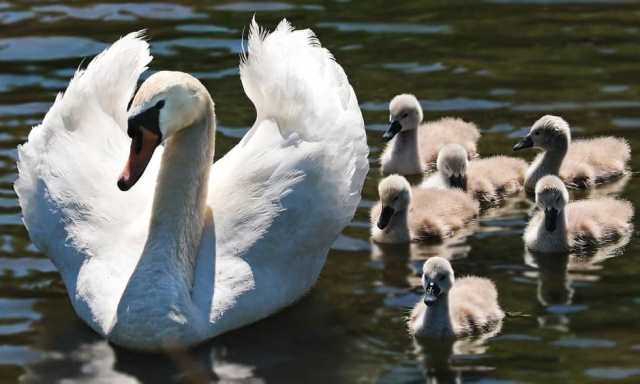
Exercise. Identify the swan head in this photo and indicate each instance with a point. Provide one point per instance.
(551, 196)
(405, 114)
(166, 103)
(437, 279)
(452, 164)
(548, 132)
(395, 196)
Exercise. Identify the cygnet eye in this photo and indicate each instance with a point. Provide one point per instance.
(537, 133)
(159, 104)
(442, 277)
(404, 115)
(396, 197)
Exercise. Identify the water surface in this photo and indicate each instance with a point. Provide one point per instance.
(501, 64)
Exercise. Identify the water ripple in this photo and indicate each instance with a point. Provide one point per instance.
(626, 122)
(121, 12)
(11, 82)
(40, 48)
(265, 6)
(454, 104)
(612, 373)
(576, 342)
(386, 27)
(18, 355)
(574, 105)
(415, 67)
(26, 109)
(170, 47)
(204, 28)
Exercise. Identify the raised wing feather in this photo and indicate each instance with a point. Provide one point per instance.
(285, 192)
(68, 170)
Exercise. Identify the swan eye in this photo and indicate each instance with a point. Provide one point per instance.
(160, 104)
(537, 133)
(442, 277)
(404, 115)
(396, 197)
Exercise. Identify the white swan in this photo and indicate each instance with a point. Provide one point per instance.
(193, 250)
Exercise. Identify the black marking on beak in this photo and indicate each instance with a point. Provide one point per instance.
(148, 119)
(527, 142)
(550, 219)
(385, 217)
(458, 181)
(431, 293)
(393, 130)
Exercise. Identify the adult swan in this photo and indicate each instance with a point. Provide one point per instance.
(173, 251)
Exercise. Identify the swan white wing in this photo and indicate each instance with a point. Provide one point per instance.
(66, 186)
(285, 192)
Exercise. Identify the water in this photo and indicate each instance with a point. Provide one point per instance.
(501, 64)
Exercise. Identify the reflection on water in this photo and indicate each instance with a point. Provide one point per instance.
(498, 63)
(558, 274)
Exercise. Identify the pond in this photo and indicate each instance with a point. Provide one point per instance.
(501, 64)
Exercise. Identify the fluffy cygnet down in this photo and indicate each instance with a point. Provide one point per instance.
(580, 163)
(454, 307)
(404, 214)
(413, 146)
(560, 226)
(489, 180)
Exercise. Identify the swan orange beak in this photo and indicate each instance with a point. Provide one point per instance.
(143, 143)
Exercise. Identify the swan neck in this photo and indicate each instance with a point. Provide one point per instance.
(552, 159)
(549, 164)
(437, 318)
(179, 205)
(399, 226)
(406, 147)
(556, 239)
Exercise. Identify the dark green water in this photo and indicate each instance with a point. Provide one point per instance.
(501, 64)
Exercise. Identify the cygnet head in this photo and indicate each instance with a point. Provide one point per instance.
(395, 196)
(437, 279)
(405, 114)
(166, 103)
(552, 197)
(452, 164)
(549, 132)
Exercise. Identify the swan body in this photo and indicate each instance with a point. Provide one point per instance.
(454, 307)
(404, 214)
(560, 226)
(579, 163)
(179, 251)
(413, 146)
(488, 179)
